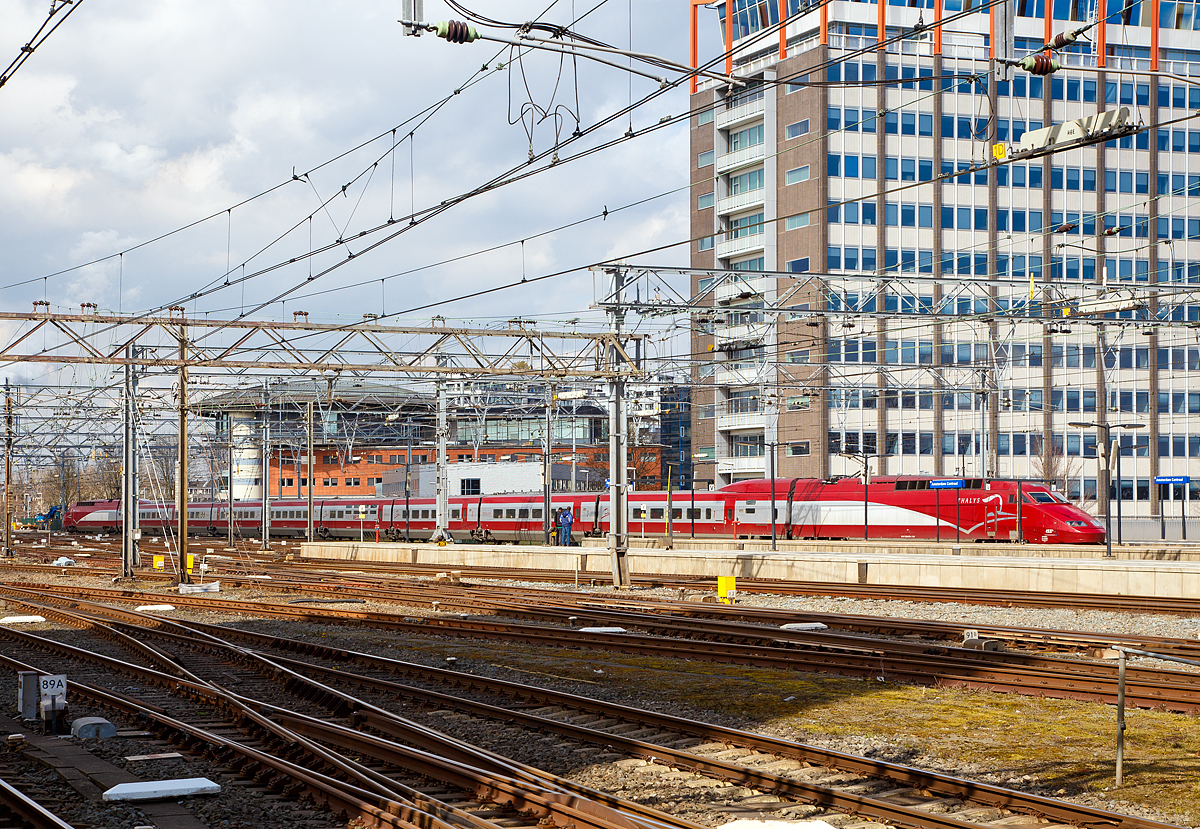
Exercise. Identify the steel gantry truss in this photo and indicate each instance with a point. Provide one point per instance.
(1044, 301)
(518, 352)
(302, 347)
(750, 309)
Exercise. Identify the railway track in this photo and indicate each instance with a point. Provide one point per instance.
(247, 732)
(19, 811)
(873, 659)
(598, 609)
(800, 774)
(393, 587)
(257, 561)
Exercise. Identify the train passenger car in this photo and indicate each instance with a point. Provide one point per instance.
(841, 508)
(908, 507)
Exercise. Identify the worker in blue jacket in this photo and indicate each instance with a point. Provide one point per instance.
(565, 535)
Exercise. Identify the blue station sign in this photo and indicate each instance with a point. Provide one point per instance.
(1172, 479)
(947, 483)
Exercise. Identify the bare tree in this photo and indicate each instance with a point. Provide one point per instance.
(105, 479)
(1052, 465)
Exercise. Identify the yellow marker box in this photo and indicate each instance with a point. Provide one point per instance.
(726, 588)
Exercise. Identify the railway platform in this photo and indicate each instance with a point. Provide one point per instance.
(1020, 568)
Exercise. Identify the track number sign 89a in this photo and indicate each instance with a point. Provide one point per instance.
(53, 686)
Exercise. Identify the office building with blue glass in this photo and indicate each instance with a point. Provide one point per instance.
(883, 310)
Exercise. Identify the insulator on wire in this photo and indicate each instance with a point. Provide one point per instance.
(1063, 39)
(1039, 64)
(456, 31)
(1067, 228)
(1112, 231)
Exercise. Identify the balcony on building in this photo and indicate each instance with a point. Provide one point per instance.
(733, 466)
(742, 112)
(742, 421)
(745, 157)
(741, 245)
(738, 374)
(738, 287)
(742, 201)
(753, 333)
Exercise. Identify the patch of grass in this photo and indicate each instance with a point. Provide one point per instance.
(1064, 748)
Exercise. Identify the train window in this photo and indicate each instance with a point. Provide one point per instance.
(522, 513)
(693, 514)
(677, 513)
(1012, 499)
(639, 512)
(656, 512)
(1040, 497)
(426, 513)
(455, 515)
(708, 514)
(537, 513)
(512, 513)
(497, 513)
(749, 510)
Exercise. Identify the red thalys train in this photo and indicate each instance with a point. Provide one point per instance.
(805, 508)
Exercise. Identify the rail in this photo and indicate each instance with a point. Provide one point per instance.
(28, 809)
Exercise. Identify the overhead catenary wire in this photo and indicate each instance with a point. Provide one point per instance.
(40, 36)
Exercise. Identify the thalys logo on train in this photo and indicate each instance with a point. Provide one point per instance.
(995, 498)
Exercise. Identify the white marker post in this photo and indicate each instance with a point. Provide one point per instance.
(53, 688)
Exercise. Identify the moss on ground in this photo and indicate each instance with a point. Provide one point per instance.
(1061, 747)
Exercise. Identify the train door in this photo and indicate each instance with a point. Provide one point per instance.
(992, 504)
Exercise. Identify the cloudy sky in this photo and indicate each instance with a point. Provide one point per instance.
(138, 120)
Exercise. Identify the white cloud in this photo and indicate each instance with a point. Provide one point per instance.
(139, 118)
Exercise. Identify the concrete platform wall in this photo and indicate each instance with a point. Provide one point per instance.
(1093, 575)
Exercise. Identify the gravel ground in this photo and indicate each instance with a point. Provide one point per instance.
(697, 803)
(235, 807)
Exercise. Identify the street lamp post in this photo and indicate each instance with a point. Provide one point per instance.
(1104, 429)
(863, 458)
(771, 474)
(574, 395)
